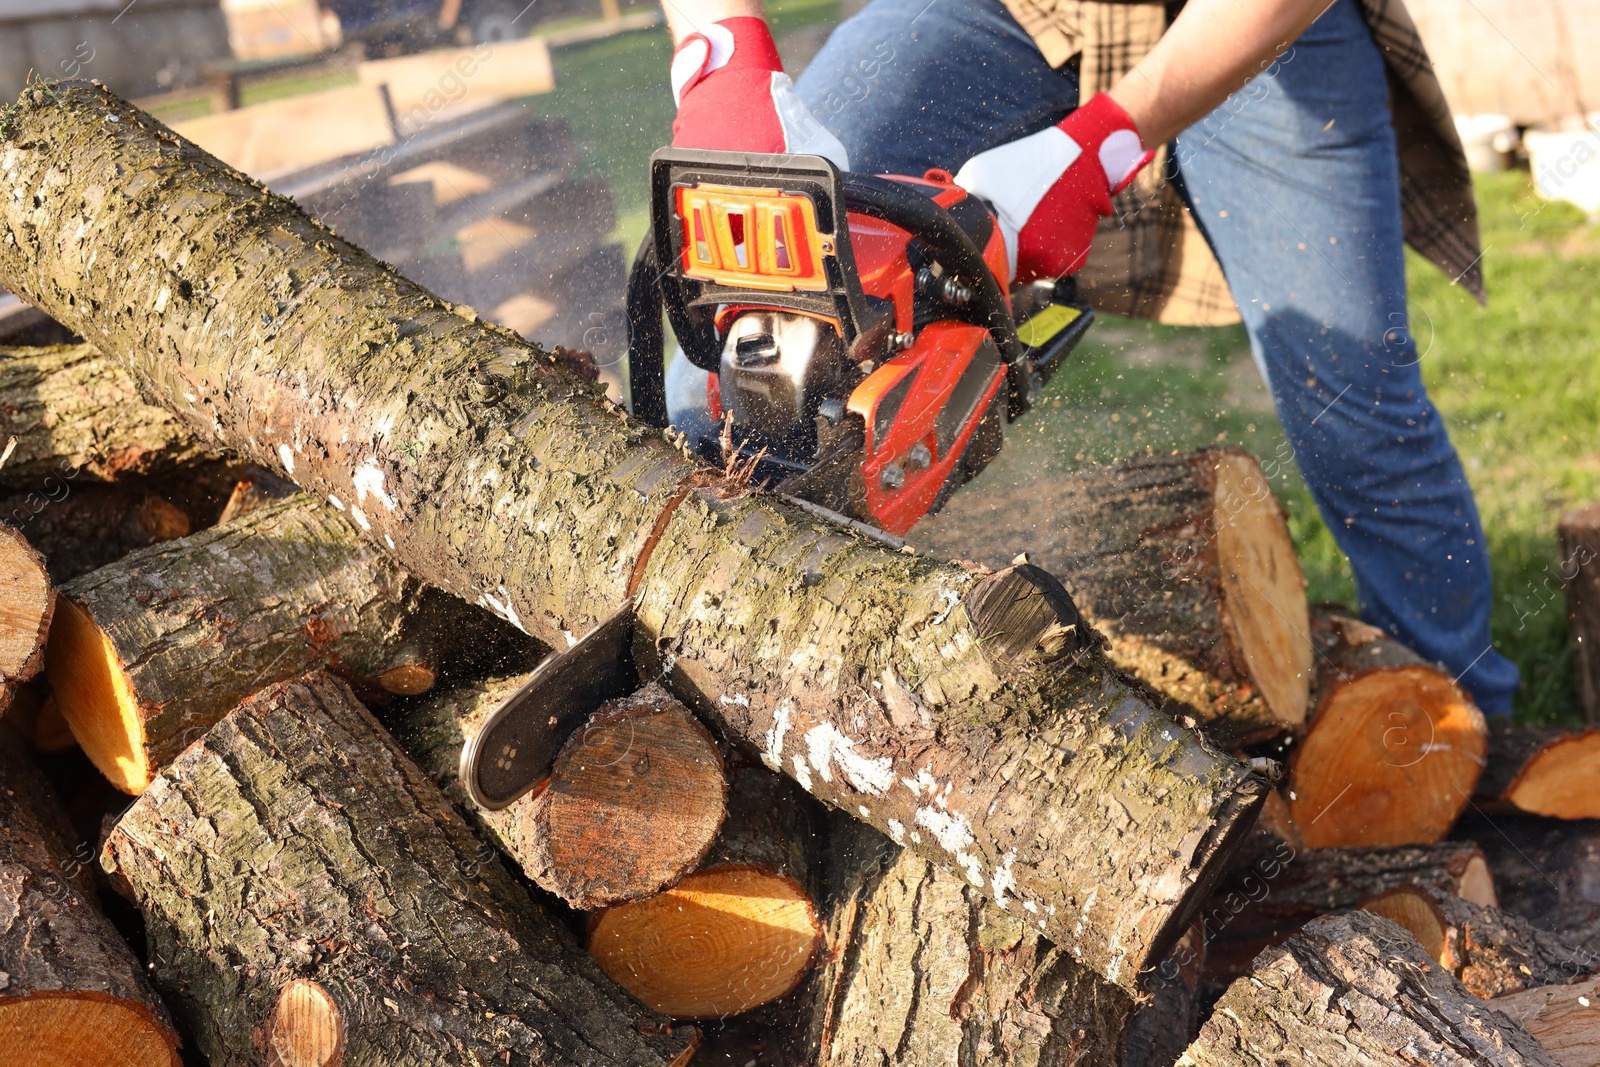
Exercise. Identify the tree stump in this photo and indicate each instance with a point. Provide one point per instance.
(294, 845)
(1393, 749)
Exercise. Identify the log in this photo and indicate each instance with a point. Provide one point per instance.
(1356, 989)
(1286, 888)
(1564, 1018)
(740, 931)
(1394, 746)
(148, 652)
(256, 489)
(72, 993)
(1548, 872)
(1543, 770)
(492, 472)
(1162, 1027)
(920, 969)
(633, 802)
(1579, 534)
(93, 525)
(77, 414)
(1184, 563)
(27, 604)
(643, 762)
(422, 948)
(1491, 951)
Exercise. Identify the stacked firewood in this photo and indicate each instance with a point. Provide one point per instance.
(866, 808)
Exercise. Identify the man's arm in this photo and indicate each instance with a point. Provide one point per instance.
(1210, 50)
(693, 16)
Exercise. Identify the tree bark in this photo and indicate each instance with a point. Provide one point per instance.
(1491, 951)
(1355, 990)
(148, 652)
(1579, 533)
(71, 992)
(632, 805)
(1548, 872)
(1564, 1018)
(93, 525)
(1185, 564)
(920, 969)
(27, 604)
(1394, 746)
(1543, 770)
(739, 932)
(296, 842)
(78, 415)
(492, 472)
(1286, 888)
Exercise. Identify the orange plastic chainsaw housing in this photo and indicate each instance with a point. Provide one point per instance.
(941, 355)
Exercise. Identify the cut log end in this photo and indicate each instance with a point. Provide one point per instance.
(634, 801)
(724, 940)
(1390, 760)
(1557, 778)
(94, 696)
(25, 604)
(1409, 908)
(1263, 588)
(408, 679)
(306, 1028)
(82, 1029)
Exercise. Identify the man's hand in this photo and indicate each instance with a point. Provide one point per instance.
(1051, 188)
(733, 95)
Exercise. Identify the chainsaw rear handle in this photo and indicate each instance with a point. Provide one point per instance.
(879, 198)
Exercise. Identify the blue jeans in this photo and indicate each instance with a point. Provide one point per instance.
(1295, 183)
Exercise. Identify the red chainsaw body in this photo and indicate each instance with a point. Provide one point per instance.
(919, 382)
(859, 333)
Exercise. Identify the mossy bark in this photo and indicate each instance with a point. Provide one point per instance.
(494, 473)
(1356, 991)
(77, 416)
(72, 992)
(296, 841)
(920, 969)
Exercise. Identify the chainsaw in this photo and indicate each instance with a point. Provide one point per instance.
(859, 335)
(859, 332)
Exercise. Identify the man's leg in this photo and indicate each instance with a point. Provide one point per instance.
(1295, 182)
(908, 85)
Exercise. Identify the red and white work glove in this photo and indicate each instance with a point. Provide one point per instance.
(733, 95)
(1050, 189)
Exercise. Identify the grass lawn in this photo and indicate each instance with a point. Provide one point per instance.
(1518, 381)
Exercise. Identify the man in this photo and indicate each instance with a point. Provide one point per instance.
(1294, 181)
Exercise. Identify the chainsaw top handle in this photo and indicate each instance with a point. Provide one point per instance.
(657, 276)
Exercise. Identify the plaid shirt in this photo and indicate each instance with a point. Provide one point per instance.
(1150, 260)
